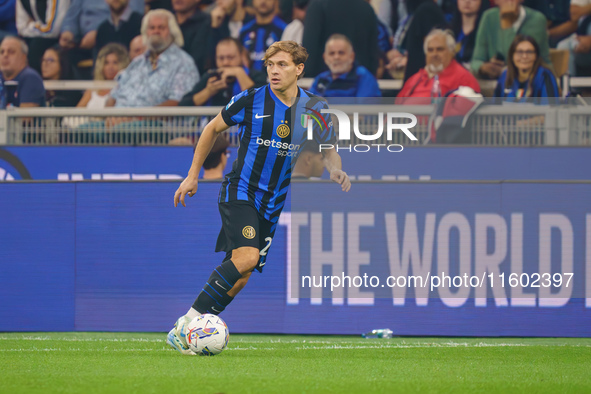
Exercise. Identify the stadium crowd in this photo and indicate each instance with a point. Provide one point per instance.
(202, 52)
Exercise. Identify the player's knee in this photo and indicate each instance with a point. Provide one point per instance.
(245, 259)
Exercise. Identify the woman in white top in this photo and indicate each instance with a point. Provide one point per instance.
(111, 59)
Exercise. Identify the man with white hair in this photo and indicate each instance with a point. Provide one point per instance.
(26, 86)
(441, 69)
(163, 74)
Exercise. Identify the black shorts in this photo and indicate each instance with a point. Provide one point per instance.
(243, 225)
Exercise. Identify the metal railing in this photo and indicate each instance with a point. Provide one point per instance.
(505, 125)
(108, 126)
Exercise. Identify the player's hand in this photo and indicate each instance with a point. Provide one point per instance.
(187, 188)
(341, 177)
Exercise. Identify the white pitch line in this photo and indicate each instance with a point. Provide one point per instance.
(243, 344)
(26, 338)
(80, 350)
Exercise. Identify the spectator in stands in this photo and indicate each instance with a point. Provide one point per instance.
(29, 91)
(83, 19)
(215, 162)
(285, 10)
(344, 77)
(441, 68)
(7, 18)
(385, 39)
(394, 13)
(464, 25)
(309, 163)
(355, 19)
(258, 34)
(558, 14)
(294, 31)
(136, 47)
(579, 43)
(196, 28)
(54, 67)
(79, 30)
(121, 27)
(163, 74)
(230, 77)
(228, 17)
(526, 75)
(39, 23)
(111, 59)
(407, 54)
(158, 4)
(497, 30)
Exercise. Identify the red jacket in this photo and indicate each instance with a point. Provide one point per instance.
(420, 85)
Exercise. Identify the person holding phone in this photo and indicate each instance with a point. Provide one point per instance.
(230, 77)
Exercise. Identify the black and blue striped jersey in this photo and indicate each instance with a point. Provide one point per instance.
(271, 135)
(258, 38)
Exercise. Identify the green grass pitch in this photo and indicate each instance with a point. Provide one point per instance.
(143, 363)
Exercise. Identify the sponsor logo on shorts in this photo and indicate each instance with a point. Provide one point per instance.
(248, 232)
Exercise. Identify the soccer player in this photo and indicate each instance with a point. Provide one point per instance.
(253, 193)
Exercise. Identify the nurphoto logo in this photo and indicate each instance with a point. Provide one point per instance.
(344, 130)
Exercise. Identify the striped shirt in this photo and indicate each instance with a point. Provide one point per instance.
(271, 135)
(543, 86)
(257, 38)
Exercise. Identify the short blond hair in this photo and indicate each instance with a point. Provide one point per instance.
(298, 53)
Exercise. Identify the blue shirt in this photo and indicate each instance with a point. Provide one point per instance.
(543, 85)
(30, 88)
(84, 16)
(141, 86)
(358, 82)
(271, 135)
(257, 38)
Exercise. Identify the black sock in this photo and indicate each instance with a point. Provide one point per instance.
(214, 297)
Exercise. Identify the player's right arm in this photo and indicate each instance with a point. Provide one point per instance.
(206, 141)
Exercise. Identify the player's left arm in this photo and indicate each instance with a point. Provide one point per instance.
(332, 163)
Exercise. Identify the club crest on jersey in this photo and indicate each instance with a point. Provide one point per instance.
(282, 130)
(248, 232)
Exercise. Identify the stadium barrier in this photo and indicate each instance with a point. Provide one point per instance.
(421, 163)
(97, 253)
(503, 125)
